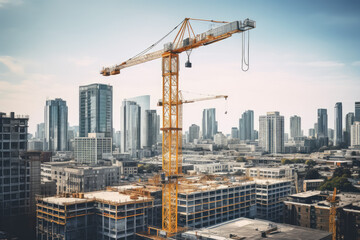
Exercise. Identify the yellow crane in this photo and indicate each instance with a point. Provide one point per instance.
(185, 41)
(332, 214)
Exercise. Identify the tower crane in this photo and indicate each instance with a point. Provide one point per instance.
(332, 215)
(185, 41)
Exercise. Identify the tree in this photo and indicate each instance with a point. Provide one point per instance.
(240, 159)
(312, 174)
(310, 163)
(341, 183)
(339, 172)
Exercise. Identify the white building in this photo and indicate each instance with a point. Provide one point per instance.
(355, 134)
(271, 132)
(214, 167)
(220, 139)
(89, 150)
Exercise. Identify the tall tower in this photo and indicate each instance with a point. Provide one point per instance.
(295, 126)
(349, 120)
(194, 131)
(355, 134)
(209, 125)
(56, 125)
(338, 136)
(151, 120)
(322, 127)
(271, 132)
(357, 111)
(130, 127)
(95, 109)
(246, 126)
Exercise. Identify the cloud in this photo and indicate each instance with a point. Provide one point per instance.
(318, 64)
(356, 64)
(82, 62)
(3, 3)
(13, 64)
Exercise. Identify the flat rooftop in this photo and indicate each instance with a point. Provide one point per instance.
(245, 228)
(306, 194)
(114, 197)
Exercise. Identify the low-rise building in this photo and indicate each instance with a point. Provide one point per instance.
(312, 184)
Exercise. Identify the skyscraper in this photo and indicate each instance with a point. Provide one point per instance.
(246, 126)
(322, 127)
(130, 127)
(357, 111)
(40, 131)
(355, 134)
(295, 126)
(144, 103)
(194, 131)
(234, 132)
(56, 125)
(95, 109)
(151, 121)
(209, 124)
(338, 136)
(271, 132)
(349, 120)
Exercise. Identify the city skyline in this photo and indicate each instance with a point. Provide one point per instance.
(39, 63)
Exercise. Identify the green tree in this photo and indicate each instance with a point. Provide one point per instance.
(342, 172)
(312, 174)
(310, 163)
(240, 159)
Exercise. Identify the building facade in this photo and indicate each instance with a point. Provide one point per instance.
(246, 126)
(271, 132)
(56, 125)
(95, 109)
(322, 127)
(355, 134)
(152, 130)
(295, 126)
(349, 120)
(89, 150)
(209, 124)
(194, 132)
(338, 126)
(357, 111)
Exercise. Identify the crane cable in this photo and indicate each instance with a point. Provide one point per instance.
(153, 45)
(245, 65)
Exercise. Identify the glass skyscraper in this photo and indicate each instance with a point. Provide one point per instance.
(246, 126)
(349, 120)
(322, 127)
(56, 125)
(338, 132)
(209, 125)
(357, 111)
(95, 109)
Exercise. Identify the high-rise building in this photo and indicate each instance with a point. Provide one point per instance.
(349, 120)
(311, 132)
(151, 123)
(144, 103)
(271, 132)
(95, 109)
(338, 131)
(209, 124)
(56, 125)
(130, 127)
(117, 139)
(331, 134)
(357, 111)
(246, 126)
(322, 127)
(295, 126)
(40, 131)
(234, 132)
(89, 150)
(355, 134)
(194, 131)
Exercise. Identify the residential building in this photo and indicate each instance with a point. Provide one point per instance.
(194, 132)
(56, 125)
(95, 109)
(220, 139)
(211, 168)
(271, 132)
(130, 119)
(89, 150)
(209, 124)
(349, 120)
(246, 126)
(312, 184)
(355, 134)
(338, 126)
(295, 126)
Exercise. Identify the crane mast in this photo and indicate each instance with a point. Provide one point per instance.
(185, 40)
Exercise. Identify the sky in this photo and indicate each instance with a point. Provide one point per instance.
(304, 55)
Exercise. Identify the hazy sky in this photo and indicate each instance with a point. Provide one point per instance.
(304, 55)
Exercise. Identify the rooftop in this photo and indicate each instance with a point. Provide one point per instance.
(244, 228)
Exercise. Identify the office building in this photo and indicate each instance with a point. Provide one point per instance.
(35, 145)
(234, 132)
(194, 132)
(40, 131)
(271, 132)
(95, 109)
(144, 103)
(56, 125)
(349, 120)
(355, 134)
(130, 118)
(311, 132)
(89, 150)
(338, 131)
(357, 111)
(220, 139)
(246, 126)
(209, 124)
(117, 139)
(322, 127)
(152, 130)
(331, 134)
(295, 126)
